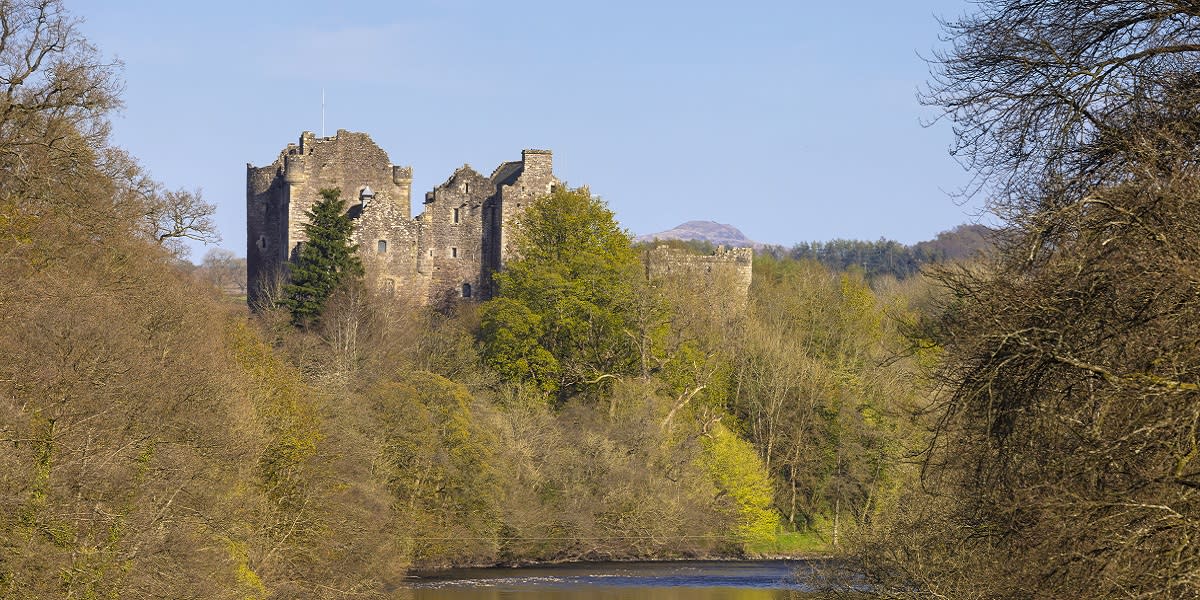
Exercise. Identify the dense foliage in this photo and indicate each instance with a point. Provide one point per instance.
(563, 308)
(1065, 428)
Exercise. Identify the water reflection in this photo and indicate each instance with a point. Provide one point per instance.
(692, 580)
(603, 593)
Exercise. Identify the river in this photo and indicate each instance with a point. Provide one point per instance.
(690, 580)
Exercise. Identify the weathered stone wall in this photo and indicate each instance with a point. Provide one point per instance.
(389, 242)
(266, 224)
(449, 251)
(279, 195)
(726, 267)
(534, 179)
(452, 233)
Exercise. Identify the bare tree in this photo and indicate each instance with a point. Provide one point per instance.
(224, 270)
(1041, 92)
(1064, 427)
(174, 216)
(55, 89)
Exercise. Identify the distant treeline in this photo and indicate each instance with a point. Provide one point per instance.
(888, 257)
(881, 257)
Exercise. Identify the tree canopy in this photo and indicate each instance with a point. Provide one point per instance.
(562, 315)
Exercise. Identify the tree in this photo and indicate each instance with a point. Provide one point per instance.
(1064, 430)
(1042, 93)
(326, 261)
(224, 270)
(175, 216)
(563, 308)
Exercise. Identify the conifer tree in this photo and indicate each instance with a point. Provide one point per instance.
(326, 261)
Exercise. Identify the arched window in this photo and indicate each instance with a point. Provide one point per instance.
(381, 247)
(466, 290)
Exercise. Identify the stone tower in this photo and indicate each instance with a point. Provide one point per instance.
(448, 251)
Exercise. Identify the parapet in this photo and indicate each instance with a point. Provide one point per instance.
(294, 169)
(401, 175)
(736, 263)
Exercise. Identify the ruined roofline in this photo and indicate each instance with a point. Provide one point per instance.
(512, 166)
(454, 175)
(720, 248)
(309, 141)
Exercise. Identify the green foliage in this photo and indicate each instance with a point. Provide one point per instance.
(741, 474)
(512, 332)
(563, 315)
(438, 464)
(326, 261)
(815, 395)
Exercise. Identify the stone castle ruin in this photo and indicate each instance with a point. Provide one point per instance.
(448, 251)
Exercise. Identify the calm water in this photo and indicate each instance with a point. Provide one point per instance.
(692, 580)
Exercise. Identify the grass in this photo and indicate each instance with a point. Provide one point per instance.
(791, 543)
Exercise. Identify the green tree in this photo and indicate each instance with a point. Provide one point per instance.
(327, 260)
(565, 302)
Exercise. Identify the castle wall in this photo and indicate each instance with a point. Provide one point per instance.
(730, 268)
(388, 245)
(535, 179)
(452, 232)
(348, 161)
(279, 195)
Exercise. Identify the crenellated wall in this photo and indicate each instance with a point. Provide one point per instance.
(732, 267)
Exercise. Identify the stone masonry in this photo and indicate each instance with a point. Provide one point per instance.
(448, 251)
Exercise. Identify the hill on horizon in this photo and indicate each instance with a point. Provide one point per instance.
(715, 233)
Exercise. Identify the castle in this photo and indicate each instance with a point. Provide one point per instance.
(448, 251)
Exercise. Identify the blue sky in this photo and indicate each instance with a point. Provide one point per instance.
(794, 121)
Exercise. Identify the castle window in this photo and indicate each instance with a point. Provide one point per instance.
(466, 290)
(466, 190)
(456, 215)
(453, 252)
(431, 251)
(381, 247)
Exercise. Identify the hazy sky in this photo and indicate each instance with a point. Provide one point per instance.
(792, 120)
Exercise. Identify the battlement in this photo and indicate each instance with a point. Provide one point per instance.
(727, 266)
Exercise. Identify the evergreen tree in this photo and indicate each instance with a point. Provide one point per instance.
(326, 261)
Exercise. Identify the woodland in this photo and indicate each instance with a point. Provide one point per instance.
(1011, 423)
